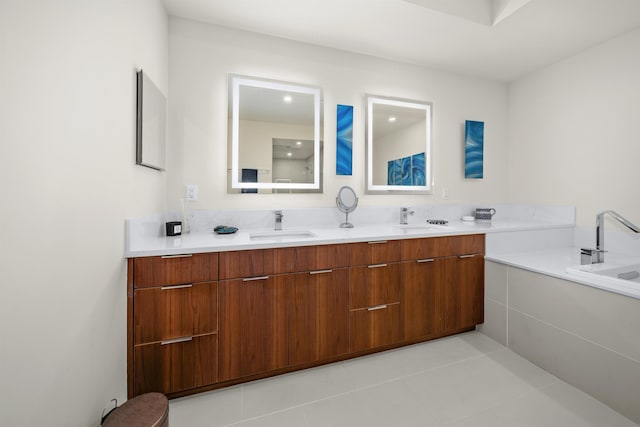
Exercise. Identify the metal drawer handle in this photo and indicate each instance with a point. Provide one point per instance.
(176, 340)
(377, 265)
(377, 307)
(377, 242)
(320, 271)
(176, 256)
(419, 261)
(466, 256)
(168, 288)
(251, 279)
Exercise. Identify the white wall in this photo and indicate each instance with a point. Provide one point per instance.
(201, 56)
(573, 132)
(67, 124)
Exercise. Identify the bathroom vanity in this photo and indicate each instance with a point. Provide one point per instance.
(205, 320)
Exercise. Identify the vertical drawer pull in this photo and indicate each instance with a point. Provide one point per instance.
(320, 271)
(420, 261)
(176, 256)
(377, 307)
(251, 279)
(168, 288)
(176, 340)
(377, 242)
(466, 256)
(376, 265)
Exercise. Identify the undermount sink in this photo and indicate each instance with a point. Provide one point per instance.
(628, 273)
(281, 234)
(415, 226)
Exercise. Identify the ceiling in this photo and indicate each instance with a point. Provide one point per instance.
(499, 40)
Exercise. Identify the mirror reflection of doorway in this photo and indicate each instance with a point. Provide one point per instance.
(292, 160)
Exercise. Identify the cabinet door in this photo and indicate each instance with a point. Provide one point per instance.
(253, 325)
(375, 284)
(175, 311)
(463, 292)
(177, 365)
(374, 327)
(318, 321)
(422, 298)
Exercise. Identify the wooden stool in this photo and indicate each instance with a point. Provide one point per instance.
(146, 410)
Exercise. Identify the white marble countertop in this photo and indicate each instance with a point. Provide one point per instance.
(562, 263)
(199, 242)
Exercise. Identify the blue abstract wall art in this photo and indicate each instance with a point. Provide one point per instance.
(473, 149)
(417, 169)
(407, 170)
(344, 140)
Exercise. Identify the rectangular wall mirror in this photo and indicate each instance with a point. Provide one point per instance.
(398, 151)
(151, 124)
(275, 136)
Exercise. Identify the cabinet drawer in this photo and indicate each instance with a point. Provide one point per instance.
(436, 247)
(174, 269)
(321, 257)
(374, 252)
(374, 285)
(175, 311)
(258, 262)
(176, 366)
(374, 327)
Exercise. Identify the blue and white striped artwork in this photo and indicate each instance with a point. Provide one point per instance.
(417, 169)
(473, 149)
(405, 178)
(394, 172)
(344, 140)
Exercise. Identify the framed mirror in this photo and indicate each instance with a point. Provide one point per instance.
(398, 146)
(275, 136)
(151, 124)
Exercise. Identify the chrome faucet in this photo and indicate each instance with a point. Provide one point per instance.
(596, 256)
(279, 216)
(404, 212)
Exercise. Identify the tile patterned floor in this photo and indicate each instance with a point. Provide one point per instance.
(467, 380)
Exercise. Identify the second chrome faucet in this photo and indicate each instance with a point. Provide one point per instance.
(404, 213)
(278, 215)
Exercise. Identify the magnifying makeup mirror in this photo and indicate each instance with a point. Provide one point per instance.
(346, 202)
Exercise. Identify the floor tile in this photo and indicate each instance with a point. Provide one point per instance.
(460, 381)
(211, 409)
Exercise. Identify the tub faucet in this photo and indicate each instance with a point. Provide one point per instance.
(279, 216)
(404, 212)
(597, 255)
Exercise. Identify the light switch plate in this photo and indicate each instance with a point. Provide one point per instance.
(192, 193)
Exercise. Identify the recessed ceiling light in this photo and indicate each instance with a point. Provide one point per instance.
(289, 154)
(287, 99)
(298, 142)
(392, 119)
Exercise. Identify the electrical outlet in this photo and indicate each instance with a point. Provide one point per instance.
(445, 193)
(192, 193)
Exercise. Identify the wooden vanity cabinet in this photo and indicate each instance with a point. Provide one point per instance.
(442, 285)
(203, 321)
(173, 323)
(374, 295)
(253, 311)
